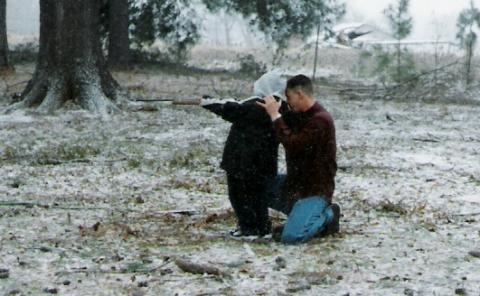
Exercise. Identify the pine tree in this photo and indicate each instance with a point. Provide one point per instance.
(401, 24)
(177, 23)
(174, 21)
(280, 20)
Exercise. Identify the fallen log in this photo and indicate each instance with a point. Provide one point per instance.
(426, 140)
(195, 268)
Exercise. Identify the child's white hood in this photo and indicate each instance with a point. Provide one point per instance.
(270, 83)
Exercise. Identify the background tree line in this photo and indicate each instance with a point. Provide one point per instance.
(81, 40)
(78, 39)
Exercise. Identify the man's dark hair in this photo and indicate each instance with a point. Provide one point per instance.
(300, 82)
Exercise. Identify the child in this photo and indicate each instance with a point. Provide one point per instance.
(250, 153)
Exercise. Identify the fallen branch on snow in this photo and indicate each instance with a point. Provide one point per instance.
(124, 270)
(58, 207)
(466, 214)
(22, 204)
(188, 266)
(426, 140)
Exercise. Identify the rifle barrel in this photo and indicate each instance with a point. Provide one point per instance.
(154, 100)
(174, 101)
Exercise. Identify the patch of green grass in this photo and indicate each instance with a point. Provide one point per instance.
(24, 53)
(65, 153)
(133, 163)
(474, 180)
(183, 184)
(136, 267)
(50, 154)
(9, 153)
(196, 156)
(390, 207)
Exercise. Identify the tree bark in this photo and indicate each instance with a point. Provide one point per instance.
(468, 65)
(70, 64)
(119, 43)
(469, 57)
(262, 8)
(4, 65)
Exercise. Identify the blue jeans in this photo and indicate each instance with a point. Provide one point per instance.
(274, 197)
(306, 218)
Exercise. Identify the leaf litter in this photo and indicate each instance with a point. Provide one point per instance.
(95, 207)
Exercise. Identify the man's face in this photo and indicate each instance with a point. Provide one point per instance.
(294, 99)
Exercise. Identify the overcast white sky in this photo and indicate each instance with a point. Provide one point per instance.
(424, 12)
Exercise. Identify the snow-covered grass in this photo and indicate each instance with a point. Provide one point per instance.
(85, 201)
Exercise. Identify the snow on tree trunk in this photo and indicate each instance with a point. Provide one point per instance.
(119, 43)
(4, 65)
(70, 64)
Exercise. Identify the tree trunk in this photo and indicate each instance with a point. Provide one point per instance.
(435, 80)
(4, 65)
(468, 63)
(262, 10)
(119, 43)
(316, 53)
(70, 64)
(398, 61)
(227, 24)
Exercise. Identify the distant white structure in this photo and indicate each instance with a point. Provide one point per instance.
(365, 36)
(345, 34)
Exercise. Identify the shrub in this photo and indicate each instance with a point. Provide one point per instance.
(24, 53)
(249, 66)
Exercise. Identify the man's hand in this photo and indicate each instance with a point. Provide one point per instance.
(271, 106)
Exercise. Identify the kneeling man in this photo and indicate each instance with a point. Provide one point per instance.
(305, 193)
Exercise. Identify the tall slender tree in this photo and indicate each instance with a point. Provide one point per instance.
(4, 64)
(401, 24)
(70, 64)
(467, 21)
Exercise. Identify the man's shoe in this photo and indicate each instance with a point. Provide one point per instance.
(334, 226)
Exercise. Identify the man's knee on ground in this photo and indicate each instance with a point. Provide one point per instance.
(308, 217)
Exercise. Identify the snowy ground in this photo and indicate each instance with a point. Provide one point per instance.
(97, 192)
